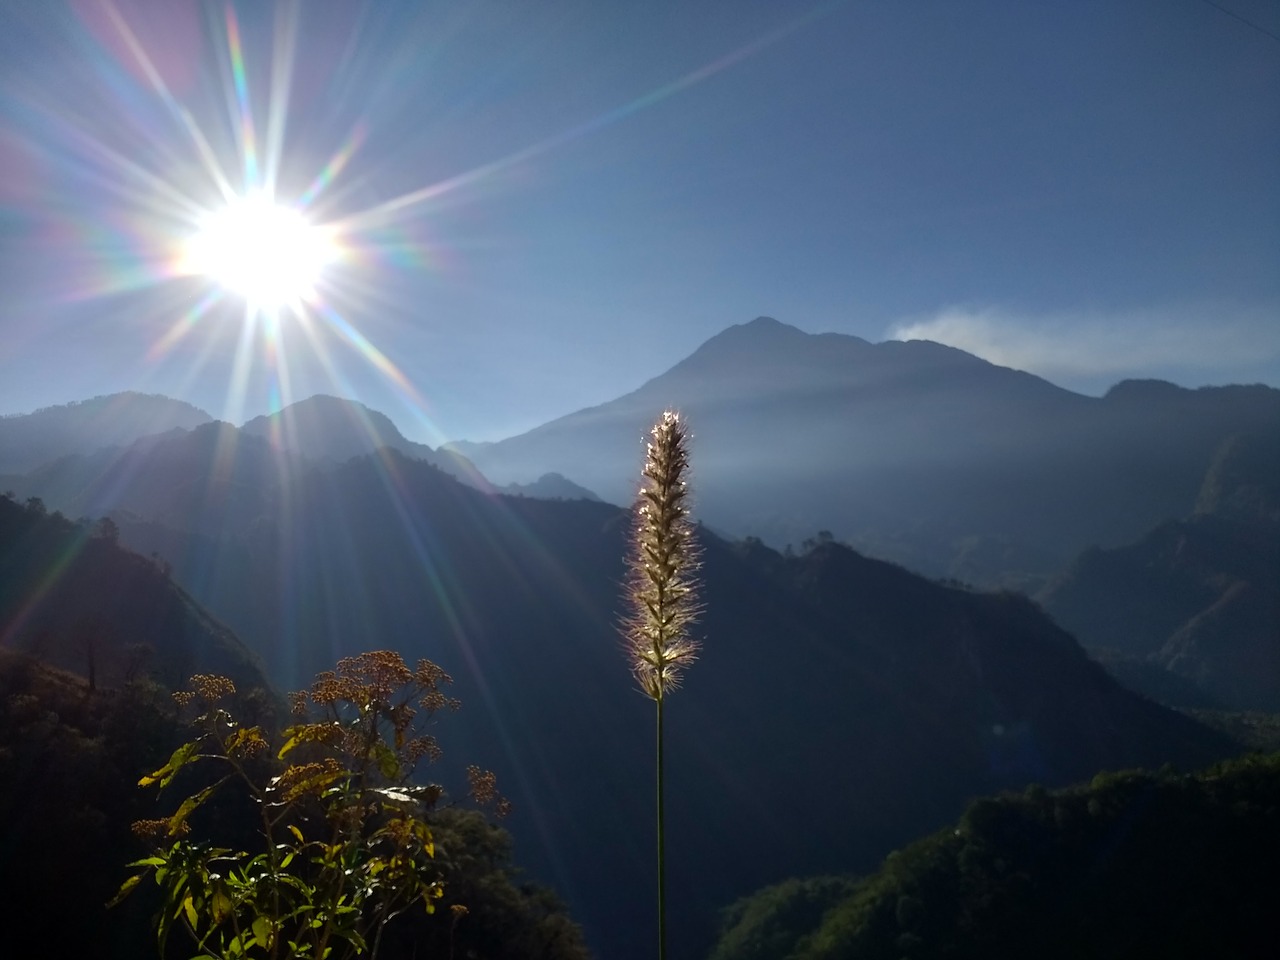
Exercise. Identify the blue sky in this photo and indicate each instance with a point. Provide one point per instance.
(568, 196)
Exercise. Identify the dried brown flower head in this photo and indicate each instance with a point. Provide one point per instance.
(212, 689)
(662, 589)
(484, 790)
(155, 830)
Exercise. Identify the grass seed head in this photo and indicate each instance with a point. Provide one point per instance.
(662, 587)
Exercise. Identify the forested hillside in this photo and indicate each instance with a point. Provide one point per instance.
(1135, 864)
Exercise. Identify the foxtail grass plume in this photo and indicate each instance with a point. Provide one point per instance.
(663, 596)
(662, 589)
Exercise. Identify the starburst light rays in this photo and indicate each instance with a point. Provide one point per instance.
(179, 114)
(248, 140)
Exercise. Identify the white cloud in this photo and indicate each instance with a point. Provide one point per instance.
(1204, 343)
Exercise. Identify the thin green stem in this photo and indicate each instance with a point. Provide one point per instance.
(662, 861)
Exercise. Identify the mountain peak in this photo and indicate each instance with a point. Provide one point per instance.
(325, 404)
(328, 428)
(335, 429)
(761, 337)
(762, 327)
(1144, 391)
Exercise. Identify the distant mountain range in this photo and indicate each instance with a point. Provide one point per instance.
(77, 456)
(912, 451)
(30, 440)
(330, 430)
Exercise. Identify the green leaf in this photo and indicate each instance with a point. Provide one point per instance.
(293, 736)
(220, 904)
(388, 764)
(189, 806)
(125, 889)
(244, 737)
(262, 930)
(311, 784)
(297, 833)
(180, 758)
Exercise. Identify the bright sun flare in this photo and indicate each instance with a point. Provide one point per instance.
(267, 253)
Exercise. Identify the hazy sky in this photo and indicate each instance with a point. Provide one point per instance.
(543, 203)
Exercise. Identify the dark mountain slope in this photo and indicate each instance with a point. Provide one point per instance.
(29, 440)
(1134, 865)
(1243, 483)
(1198, 597)
(70, 595)
(69, 767)
(867, 702)
(913, 451)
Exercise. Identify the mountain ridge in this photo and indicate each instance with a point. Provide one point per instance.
(910, 450)
(29, 440)
(333, 429)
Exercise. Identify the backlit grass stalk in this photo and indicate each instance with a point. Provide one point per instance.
(662, 593)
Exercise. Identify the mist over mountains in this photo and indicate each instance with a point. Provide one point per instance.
(912, 451)
(28, 441)
(330, 430)
(843, 704)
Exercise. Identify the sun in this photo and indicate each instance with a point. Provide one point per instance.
(263, 251)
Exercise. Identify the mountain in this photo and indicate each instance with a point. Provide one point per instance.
(205, 479)
(1085, 872)
(550, 486)
(213, 474)
(1197, 598)
(1243, 482)
(842, 705)
(913, 451)
(332, 429)
(73, 597)
(31, 439)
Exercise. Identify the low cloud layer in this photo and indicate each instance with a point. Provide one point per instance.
(1192, 346)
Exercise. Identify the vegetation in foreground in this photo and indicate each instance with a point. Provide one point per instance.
(70, 760)
(1135, 864)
